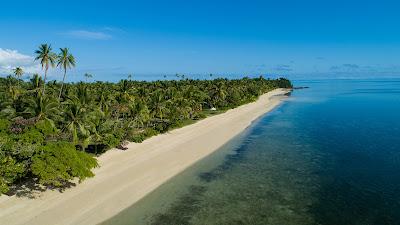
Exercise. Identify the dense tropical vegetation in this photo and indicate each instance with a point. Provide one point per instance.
(50, 132)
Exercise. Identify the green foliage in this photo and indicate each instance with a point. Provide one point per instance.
(149, 132)
(32, 136)
(199, 116)
(59, 162)
(4, 124)
(110, 140)
(141, 136)
(46, 127)
(40, 131)
(137, 138)
(10, 171)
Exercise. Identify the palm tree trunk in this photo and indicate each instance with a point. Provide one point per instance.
(44, 81)
(62, 84)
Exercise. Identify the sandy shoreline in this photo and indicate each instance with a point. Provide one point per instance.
(124, 177)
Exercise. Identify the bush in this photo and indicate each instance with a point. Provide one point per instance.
(111, 141)
(47, 127)
(32, 136)
(161, 127)
(149, 132)
(200, 115)
(4, 124)
(10, 171)
(60, 162)
(137, 138)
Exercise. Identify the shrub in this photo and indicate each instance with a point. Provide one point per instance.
(137, 138)
(60, 162)
(10, 171)
(32, 136)
(199, 115)
(4, 124)
(47, 127)
(111, 141)
(149, 132)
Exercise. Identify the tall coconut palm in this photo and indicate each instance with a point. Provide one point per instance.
(65, 61)
(18, 72)
(47, 59)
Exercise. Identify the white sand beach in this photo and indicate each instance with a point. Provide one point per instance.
(124, 177)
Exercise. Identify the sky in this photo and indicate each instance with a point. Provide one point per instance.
(149, 39)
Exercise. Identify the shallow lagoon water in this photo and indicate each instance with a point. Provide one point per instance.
(328, 155)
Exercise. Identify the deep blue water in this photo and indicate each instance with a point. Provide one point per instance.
(356, 126)
(328, 155)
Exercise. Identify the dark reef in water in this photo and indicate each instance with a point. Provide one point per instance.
(180, 212)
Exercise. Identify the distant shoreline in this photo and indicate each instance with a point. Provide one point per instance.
(124, 177)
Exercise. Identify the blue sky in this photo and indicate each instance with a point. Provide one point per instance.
(299, 39)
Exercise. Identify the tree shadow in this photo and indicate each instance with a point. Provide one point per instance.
(31, 189)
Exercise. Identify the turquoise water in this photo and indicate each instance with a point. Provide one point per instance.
(328, 155)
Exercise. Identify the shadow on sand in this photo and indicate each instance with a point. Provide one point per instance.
(32, 189)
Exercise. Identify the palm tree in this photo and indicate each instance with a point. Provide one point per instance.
(124, 98)
(218, 94)
(83, 94)
(47, 58)
(77, 125)
(35, 83)
(101, 128)
(42, 107)
(142, 114)
(18, 72)
(103, 101)
(14, 92)
(88, 76)
(158, 104)
(65, 61)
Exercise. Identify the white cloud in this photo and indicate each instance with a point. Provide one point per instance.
(9, 59)
(13, 57)
(88, 35)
